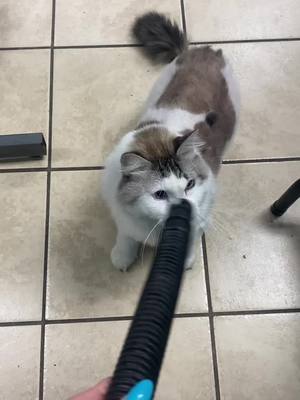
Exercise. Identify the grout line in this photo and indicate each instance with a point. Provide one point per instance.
(121, 45)
(114, 319)
(211, 321)
(191, 315)
(91, 168)
(47, 217)
(44, 296)
(261, 160)
(256, 312)
(129, 318)
(46, 169)
(196, 43)
(19, 323)
(99, 46)
(32, 169)
(100, 167)
(87, 320)
(183, 19)
(25, 48)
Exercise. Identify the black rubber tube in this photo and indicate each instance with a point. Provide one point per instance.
(286, 200)
(144, 347)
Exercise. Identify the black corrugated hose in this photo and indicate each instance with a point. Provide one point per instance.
(144, 347)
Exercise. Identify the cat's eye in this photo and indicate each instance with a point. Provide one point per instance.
(160, 195)
(190, 184)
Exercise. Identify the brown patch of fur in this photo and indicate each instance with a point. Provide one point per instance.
(198, 86)
(160, 147)
(154, 143)
(215, 139)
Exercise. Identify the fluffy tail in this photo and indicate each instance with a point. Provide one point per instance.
(162, 38)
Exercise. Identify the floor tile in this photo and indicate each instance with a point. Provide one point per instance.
(99, 95)
(22, 215)
(19, 374)
(79, 355)
(92, 350)
(25, 23)
(99, 22)
(187, 371)
(270, 98)
(82, 282)
(253, 262)
(212, 20)
(24, 77)
(259, 357)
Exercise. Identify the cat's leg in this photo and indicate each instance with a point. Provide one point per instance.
(190, 259)
(124, 252)
(191, 255)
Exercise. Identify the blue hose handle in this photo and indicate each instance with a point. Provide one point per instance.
(142, 391)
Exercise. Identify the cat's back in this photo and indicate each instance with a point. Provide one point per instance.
(198, 84)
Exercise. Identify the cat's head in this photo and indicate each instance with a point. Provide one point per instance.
(160, 170)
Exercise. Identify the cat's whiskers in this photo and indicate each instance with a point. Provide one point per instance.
(158, 239)
(148, 236)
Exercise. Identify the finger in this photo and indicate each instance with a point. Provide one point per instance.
(95, 393)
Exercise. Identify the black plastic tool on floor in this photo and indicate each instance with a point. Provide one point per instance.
(286, 200)
(141, 358)
(22, 146)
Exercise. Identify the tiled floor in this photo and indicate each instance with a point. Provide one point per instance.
(63, 309)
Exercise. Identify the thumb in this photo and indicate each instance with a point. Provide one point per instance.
(97, 392)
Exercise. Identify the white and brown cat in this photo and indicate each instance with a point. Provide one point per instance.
(176, 149)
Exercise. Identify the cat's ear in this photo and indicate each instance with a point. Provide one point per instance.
(189, 145)
(190, 151)
(132, 163)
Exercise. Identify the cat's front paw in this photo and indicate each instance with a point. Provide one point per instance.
(122, 260)
(190, 261)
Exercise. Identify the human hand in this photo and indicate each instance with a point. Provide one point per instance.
(97, 392)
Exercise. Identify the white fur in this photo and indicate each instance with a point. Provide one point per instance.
(161, 84)
(134, 230)
(126, 224)
(233, 87)
(124, 252)
(174, 119)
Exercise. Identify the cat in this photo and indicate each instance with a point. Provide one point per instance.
(176, 149)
